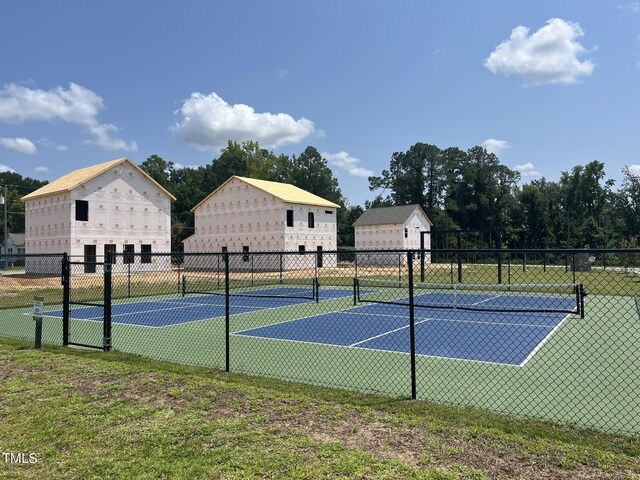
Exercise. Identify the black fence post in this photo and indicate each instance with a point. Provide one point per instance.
(412, 330)
(227, 309)
(499, 247)
(422, 234)
(106, 329)
(66, 280)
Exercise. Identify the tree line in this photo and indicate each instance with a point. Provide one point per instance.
(472, 190)
(458, 189)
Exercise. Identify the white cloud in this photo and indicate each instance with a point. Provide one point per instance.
(634, 170)
(549, 55)
(4, 168)
(179, 166)
(283, 73)
(41, 169)
(527, 170)
(348, 163)
(19, 144)
(495, 146)
(77, 105)
(633, 7)
(210, 122)
(62, 148)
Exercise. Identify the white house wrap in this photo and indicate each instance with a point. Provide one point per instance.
(390, 228)
(113, 206)
(249, 215)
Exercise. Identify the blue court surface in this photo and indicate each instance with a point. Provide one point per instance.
(508, 338)
(192, 308)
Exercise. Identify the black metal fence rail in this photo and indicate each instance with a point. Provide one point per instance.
(546, 334)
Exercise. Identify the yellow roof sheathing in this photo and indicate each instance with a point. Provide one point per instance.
(284, 191)
(72, 180)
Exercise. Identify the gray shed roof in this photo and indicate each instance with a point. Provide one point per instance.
(17, 239)
(387, 215)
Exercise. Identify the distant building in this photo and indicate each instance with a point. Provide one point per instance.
(390, 228)
(15, 245)
(109, 207)
(248, 215)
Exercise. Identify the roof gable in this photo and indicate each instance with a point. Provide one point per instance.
(388, 215)
(284, 191)
(74, 179)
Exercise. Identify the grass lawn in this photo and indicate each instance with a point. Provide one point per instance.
(86, 414)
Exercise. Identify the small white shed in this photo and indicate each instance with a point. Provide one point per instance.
(390, 228)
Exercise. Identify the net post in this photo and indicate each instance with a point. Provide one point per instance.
(179, 274)
(227, 309)
(66, 282)
(582, 295)
(356, 290)
(184, 285)
(355, 263)
(412, 330)
(316, 289)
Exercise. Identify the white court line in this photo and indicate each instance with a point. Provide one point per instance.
(388, 333)
(450, 320)
(367, 349)
(544, 340)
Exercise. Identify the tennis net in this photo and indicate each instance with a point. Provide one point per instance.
(305, 288)
(555, 297)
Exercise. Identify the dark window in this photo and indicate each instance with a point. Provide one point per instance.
(245, 253)
(145, 251)
(406, 233)
(128, 250)
(289, 218)
(224, 249)
(110, 249)
(301, 248)
(329, 212)
(311, 220)
(82, 211)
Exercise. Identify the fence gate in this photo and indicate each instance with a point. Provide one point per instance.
(86, 310)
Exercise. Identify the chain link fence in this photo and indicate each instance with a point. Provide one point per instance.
(546, 334)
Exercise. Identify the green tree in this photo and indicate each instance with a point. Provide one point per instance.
(310, 171)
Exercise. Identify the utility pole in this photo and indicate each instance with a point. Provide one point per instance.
(4, 200)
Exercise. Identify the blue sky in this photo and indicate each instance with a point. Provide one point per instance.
(546, 85)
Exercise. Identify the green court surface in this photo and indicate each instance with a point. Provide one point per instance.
(586, 373)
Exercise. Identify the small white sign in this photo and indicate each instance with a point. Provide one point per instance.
(38, 307)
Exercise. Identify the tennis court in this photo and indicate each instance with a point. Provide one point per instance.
(456, 325)
(203, 298)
